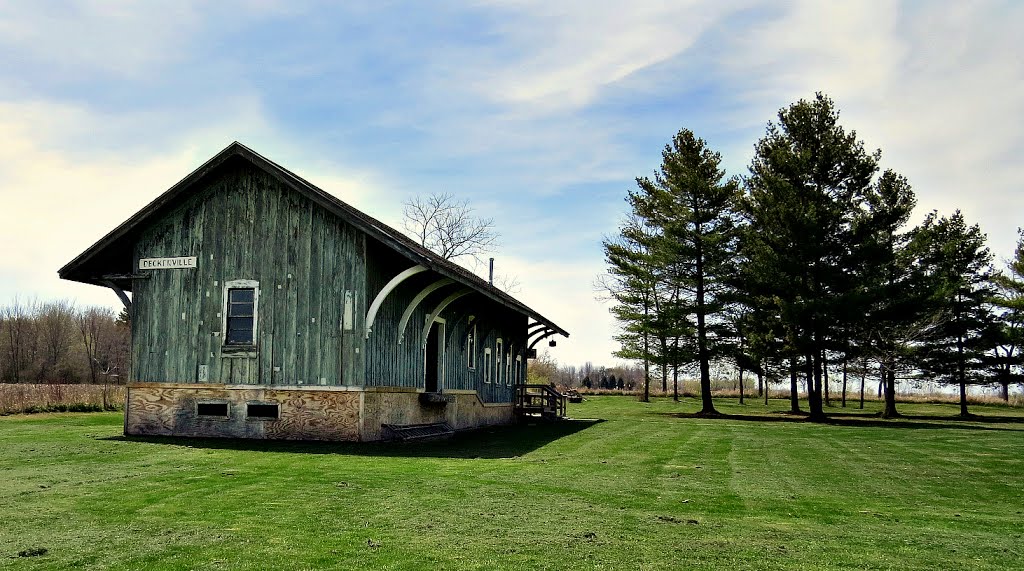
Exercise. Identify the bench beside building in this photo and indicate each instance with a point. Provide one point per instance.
(263, 307)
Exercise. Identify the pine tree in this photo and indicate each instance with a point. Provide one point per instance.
(631, 283)
(887, 310)
(952, 259)
(694, 206)
(807, 178)
(1007, 356)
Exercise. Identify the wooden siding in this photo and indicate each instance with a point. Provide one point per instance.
(246, 225)
(390, 363)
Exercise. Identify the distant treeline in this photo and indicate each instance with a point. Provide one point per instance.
(57, 342)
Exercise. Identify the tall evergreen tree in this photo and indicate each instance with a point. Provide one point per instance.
(953, 260)
(1008, 303)
(695, 206)
(807, 178)
(887, 307)
(631, 283)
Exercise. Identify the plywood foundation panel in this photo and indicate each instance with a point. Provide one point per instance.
(466, 412)
(304, 415)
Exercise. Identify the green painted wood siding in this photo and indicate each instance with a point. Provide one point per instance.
(246, 225)
(390, 363)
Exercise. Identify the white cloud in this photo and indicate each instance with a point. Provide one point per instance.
(558, 55)
(936, 86)
(58, 199)
(119, 38)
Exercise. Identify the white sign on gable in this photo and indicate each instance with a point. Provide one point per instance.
(180, 263)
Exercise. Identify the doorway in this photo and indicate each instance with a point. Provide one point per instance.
(434, 358)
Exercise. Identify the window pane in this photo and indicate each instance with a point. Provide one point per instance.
(241, 295)
(240, 309)
(240, 337)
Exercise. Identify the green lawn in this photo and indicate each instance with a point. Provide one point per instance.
(644, 489)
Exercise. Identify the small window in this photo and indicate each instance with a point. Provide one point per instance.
(508, 368)
(212, 409)
(471, 347)
(259, 410)
(498, 346)
(241, 316)
(487, 365)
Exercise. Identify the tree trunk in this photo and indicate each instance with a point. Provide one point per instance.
(889, 380)
(675, 383)
(647, 364)
(1005, 390)
(760, 381)
(664, 365)
(863, 378)
(814, 402)
(824, 376)
(961, 376)
(794, 395)
(741, 385)
(844, 381)
(963, 400)
(703, 357)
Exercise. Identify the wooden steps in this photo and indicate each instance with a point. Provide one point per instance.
(536, 400)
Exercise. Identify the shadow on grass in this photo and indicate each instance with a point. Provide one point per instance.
(489, 442)
(873, 420)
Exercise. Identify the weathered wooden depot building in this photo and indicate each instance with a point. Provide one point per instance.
(263, 307)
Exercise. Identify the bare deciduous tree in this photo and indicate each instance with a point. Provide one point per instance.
(448, 227)
(19, 336)
(54, 319)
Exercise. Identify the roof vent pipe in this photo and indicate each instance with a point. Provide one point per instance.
(490, 279)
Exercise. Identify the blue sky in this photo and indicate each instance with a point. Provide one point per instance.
(539, 113)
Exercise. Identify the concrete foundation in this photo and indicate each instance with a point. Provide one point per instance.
(295, 413)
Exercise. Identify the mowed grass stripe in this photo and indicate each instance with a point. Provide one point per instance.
(624, 493)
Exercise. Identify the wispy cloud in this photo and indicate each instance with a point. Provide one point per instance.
(539, 113)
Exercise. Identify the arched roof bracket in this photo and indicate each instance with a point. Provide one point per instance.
(463, 315)
(441, 307)
(371, 314)
(415, 303)
(537, 340)
(120, 294)
(542, 331)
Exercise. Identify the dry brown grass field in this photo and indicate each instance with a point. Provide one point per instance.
(23, 397)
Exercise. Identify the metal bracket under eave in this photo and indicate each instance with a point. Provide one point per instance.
(120, 294)
(537, 340)
(534, 327)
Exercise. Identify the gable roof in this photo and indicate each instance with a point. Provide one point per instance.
(112, 254)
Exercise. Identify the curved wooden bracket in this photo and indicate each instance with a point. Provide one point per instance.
(537, 340)
(416, 301)
(120, 294)
(540, 331)
(453, 324)
(534, 327)
(440, 307)
(371, 314)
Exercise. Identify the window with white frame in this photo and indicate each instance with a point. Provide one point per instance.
(241, 302)
(471, 347)
(498, 348)
(487, 365)
(508, 367)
